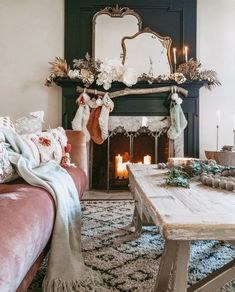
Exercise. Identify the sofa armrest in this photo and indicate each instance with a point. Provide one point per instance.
(79, 151)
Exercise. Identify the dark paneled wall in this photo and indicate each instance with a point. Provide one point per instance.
(174, 18)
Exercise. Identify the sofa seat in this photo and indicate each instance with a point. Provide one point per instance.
(26, 216)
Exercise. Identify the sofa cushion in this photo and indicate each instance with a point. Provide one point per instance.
(27, 217)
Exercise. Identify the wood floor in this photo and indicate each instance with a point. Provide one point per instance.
(103, 195)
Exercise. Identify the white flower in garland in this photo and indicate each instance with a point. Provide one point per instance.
(130, 77)
(113, 70)
(73, 74)
(105, 79)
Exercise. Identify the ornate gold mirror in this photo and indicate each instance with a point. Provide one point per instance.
(147, 52)
(109, 26)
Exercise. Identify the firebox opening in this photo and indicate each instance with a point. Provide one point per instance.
(110, 160)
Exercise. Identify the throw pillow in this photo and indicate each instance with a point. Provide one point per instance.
(7, 172)
(29, 124)
(48, 145)
(6, 122)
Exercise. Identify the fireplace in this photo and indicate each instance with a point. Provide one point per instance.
(128, 113)
(141, 140)
(183, 15)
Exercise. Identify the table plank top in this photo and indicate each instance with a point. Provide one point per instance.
(200, 212)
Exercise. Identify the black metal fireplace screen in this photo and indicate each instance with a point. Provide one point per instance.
(108, 162)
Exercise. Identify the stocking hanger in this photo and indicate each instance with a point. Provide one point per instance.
(135, 91)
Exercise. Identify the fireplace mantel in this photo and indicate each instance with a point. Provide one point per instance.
(142, 105)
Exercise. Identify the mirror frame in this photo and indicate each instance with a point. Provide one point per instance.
(117, 12)
(167, 41)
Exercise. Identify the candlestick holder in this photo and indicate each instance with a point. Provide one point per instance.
(217, 138)
(175, 67)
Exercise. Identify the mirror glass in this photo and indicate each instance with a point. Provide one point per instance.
(147, 52)
(109, 26)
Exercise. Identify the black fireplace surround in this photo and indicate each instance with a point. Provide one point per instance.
(176, 19)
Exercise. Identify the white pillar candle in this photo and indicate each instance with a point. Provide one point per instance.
(186, 53)
(147, 159)
(118, 166)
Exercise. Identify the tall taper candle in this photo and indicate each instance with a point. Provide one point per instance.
(175, 60)
(218, 114)
(233, 122)
(186, 53)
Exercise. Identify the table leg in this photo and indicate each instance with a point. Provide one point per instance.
(180, 267)
(165, 267)
(137, 222)
(173, 261)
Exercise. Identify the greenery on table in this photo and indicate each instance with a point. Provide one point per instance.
(177, 177)
(181, 175)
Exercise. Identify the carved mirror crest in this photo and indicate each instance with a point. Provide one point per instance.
(109, 26)
(147, 52)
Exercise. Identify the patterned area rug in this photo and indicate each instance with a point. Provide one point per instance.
(128, 263)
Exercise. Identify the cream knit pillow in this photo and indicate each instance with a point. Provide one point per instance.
(29, 124)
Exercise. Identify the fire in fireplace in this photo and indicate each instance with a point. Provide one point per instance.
(121, 163)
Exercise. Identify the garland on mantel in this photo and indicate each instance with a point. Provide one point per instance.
(105, 73)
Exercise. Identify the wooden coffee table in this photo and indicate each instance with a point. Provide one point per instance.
(182, 215)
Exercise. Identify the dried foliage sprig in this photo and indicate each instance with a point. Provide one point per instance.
(211, 77)
(59, 68)
(88, 69)
(192, 72)
(190, 69)
(87, 64)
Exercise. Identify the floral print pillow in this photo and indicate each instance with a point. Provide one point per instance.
(48, 145)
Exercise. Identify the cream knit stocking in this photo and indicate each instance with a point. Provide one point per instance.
(107, 107)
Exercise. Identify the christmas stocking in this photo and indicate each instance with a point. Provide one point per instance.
(82, 115)
(107, 107)
(94, 127)
(178, 122)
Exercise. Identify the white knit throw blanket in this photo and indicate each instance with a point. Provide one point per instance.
(66, 270)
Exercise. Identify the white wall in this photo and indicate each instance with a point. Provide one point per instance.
(216, 50)
(31, 34)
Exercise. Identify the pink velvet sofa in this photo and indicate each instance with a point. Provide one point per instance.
(26, 222)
